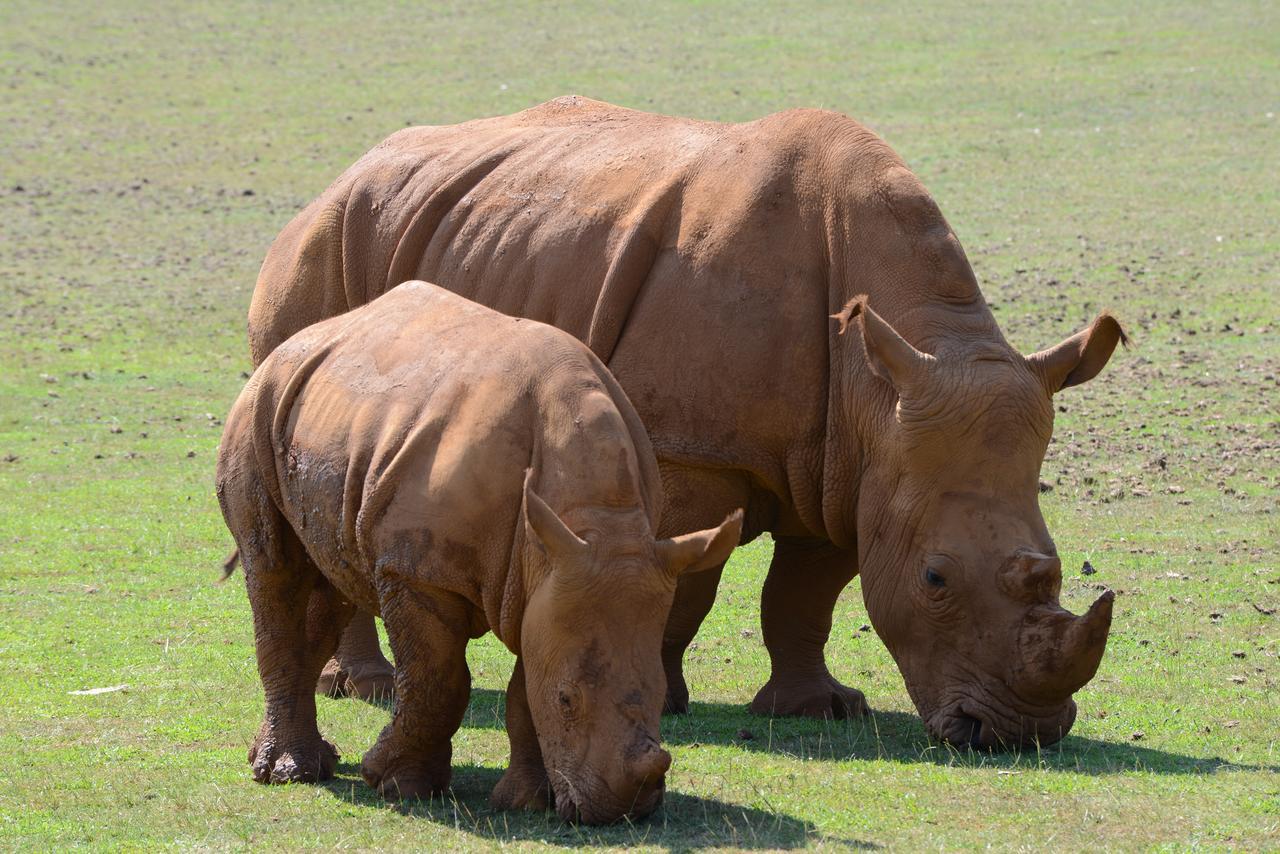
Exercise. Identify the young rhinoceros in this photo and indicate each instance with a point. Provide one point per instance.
(405, 458)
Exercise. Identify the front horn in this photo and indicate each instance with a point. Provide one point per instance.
(1060, 652)
(1084, 644)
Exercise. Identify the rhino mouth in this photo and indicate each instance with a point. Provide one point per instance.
(583, 802)
(982, 727)
(967, 730)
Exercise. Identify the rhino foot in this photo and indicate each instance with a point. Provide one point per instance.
(522, 789)
(398, 778)
(300, 760)
(372, 681)
(819, 698)
(677, 699)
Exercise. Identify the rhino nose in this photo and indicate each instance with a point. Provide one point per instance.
(969, 729)
(652, 763)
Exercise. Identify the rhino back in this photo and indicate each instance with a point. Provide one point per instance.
(699, 260)
(399, 435)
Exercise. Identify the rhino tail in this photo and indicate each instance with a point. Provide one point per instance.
(229, 565)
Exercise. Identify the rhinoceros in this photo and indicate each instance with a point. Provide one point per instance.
(458, 471)
(801, 333)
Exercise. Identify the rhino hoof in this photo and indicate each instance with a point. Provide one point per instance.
(677, 699)
(517, 790)
(311, 760)
(824, 700)
(373, 682)
(407, 785)
(398, 779)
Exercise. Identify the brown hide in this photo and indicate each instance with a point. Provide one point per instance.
(686, 254)
(701, 261)
(455, 471)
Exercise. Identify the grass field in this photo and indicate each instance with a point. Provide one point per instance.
(1088, 154)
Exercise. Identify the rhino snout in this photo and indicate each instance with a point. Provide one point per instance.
(630, 788)
(985, 729)
(646, 770)
(651, 763)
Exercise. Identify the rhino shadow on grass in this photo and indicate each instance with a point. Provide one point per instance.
(684, 822)
(887, 735)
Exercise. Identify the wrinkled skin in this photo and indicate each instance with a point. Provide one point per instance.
(703, 262)
(405, 459)
(990, 658)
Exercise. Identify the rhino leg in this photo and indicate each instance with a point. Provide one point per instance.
(297, 618)
(696, 499)
(799, 597)
(428, 629)
(695, 594)
(525, 784)
(358, 668)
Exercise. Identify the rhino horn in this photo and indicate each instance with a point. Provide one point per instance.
(1062, 651)
(1032, 577)
(1084, 643)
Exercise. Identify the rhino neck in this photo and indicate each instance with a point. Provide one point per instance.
(890, 242)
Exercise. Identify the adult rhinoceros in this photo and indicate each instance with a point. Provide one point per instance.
(704, 263)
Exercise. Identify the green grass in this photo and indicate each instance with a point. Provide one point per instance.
(1088, 154)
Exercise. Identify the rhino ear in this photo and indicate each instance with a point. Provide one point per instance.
(701, 549)
(1081, 357)
(546, 528)
(889, 355)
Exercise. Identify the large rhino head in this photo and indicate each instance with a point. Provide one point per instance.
(591, 647)
(960, 575)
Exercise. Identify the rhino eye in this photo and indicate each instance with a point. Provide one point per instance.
(568, 701)
(933, 579)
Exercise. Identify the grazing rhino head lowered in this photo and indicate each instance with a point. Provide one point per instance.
(589, 649)
(960, 575)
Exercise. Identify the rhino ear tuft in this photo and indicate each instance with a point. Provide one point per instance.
(701, 549)
(851, 310)
(546, 528)
(1081, 357)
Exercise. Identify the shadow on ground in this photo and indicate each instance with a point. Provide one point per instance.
(690, 822)
(684, 823)
(888, 736)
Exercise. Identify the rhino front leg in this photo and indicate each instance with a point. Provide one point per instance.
(799, 597)
(695, 594)
(525, 784)
(358, 668)
(696, 499)
(428, 629)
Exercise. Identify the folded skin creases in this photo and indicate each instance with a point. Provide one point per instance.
(457, 471)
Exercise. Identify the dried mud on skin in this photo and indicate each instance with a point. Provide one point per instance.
(127, 280)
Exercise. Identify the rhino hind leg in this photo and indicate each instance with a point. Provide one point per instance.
(428, 629)
(524, 785)
(805, 579)
(358, 668)
(297, 618)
